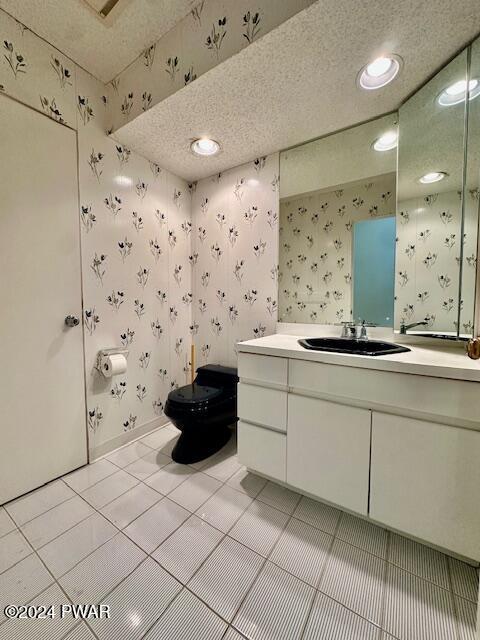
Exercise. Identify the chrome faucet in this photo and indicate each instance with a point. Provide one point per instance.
(405, 327)
(363, 331)
(349, 330)
(353, 331)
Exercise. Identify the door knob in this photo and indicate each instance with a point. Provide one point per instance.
(72, 321)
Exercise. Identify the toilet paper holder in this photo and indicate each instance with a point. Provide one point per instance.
(104, 353)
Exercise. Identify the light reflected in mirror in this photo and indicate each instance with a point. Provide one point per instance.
(429, 207)
(337, 227)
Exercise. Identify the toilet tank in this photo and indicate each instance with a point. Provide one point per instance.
(216, 375)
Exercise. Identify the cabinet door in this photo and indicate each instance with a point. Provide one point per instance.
(328, 451)
(425, 480)
(262, 450)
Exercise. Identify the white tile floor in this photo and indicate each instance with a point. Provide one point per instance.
(212, 552)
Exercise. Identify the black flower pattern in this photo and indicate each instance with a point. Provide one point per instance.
(94, 162)
(217, 35)
(87, 217)
(251, 26)
(15, 60)
(84, 109)
(50, 108)
(172, 67)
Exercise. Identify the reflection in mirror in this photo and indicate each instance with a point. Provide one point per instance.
(429, 206)
(472, 197)
(337, 227)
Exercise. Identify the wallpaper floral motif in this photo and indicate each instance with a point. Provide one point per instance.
(136, 226)
(135, 238)
(427, 261)
(34, 72)
(140, 242)
(235, 258)
(315, 265)
(213, 31)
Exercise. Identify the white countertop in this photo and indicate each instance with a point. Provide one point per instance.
(442, 361)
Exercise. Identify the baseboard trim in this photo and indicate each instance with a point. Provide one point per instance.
(126, 438)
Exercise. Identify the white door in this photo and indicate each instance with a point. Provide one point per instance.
(42, 398)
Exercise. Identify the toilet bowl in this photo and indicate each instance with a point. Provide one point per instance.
(203, 411)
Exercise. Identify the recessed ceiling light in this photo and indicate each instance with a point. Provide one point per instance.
(380, 72)
(455, 93)
(205, 147)
(386, 142)
(433, 176)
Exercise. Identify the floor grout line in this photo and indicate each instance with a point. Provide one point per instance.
(162, 496)
(320, 577)
(453, 601)
(66, 530)
(85, 467)
(383, 607)
(55, 582)
(266, 559)
(46, 510)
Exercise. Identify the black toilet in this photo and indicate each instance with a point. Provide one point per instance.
(203, 411)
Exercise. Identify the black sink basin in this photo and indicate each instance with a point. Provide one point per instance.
(349, 345)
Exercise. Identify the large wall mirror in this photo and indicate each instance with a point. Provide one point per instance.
(379, 222)
(337, 226)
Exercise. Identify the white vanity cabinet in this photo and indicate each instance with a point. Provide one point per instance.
(263, 450)
(396, 447)
(328, 451)
(262, 409)
(425, 480)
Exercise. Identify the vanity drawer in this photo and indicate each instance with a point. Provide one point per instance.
(447, 401)
(265, 369)
(263, 406)
(262, 450)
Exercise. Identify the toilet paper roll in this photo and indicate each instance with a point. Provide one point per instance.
(114, 365)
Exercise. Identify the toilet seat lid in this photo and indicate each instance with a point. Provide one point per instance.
(194, 394)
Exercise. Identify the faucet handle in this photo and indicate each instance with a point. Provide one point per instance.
(345, 326)
(353, 330)
(363, 331)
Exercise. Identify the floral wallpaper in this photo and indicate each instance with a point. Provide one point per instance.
(135, 221)
(315, 264)
(144, 232)
(36, 73)
(235, 258)
(136, 227)
(213, 31)
(427, 261)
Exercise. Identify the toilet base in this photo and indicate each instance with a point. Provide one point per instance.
(190, 449)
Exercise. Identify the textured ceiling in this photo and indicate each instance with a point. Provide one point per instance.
(103, 51)
(298, 81)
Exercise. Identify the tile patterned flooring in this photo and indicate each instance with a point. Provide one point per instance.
(211, 552)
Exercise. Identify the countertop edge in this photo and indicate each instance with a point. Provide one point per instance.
(378, 363)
